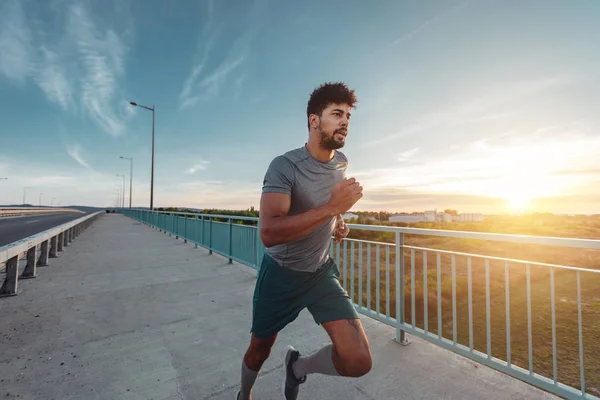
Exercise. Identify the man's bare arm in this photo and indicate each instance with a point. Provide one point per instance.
(276, 227)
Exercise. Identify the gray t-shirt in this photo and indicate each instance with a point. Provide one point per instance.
(309, 183)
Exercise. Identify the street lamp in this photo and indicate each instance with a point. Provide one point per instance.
(152, 171)
(130, 176)
(123, 192)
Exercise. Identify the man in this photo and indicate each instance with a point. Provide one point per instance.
(305, 192)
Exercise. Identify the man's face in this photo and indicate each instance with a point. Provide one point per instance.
(333, 126)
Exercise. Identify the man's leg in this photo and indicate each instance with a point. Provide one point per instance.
(257, 353)
(274, 306)
(348, 355)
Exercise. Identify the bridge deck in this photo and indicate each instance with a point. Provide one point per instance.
(127, 312)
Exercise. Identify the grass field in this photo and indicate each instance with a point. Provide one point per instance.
(565, 293)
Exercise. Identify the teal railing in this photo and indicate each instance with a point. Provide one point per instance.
(537, 322)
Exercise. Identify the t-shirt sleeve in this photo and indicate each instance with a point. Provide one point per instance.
(279, 177)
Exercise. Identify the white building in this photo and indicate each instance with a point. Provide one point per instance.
(349, 216)
(430, 216)
(470, 217)
(408, 218)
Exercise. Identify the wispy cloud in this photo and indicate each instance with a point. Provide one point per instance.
(75, 151)
(51, 78)
(488, 106)
(102, 56)
(201, 165)
(406, 36)
(208, 76)
(408, 154)
(84, 66)
(15, 42)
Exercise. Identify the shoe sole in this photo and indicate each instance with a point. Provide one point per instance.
(284, 353)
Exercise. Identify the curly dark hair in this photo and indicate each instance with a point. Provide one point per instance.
(329, 93)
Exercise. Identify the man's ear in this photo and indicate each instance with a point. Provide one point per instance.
(314, 120)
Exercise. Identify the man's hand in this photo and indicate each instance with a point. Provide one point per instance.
(341, 229)
(344, 195)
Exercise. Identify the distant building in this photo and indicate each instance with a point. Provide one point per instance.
(349, 216)
(408, 218)
(469, 217)
(430, 216)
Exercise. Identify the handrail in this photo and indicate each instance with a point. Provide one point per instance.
(51, 241)
(500, 237)
(406, 292)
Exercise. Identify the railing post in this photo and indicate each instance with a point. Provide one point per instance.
(400, 314)
(210, 235)
(195, 231)
(230, 240)
(43, 260)
(257, 245)
(185, 228)
(60, 241)
(30, 269)
(11, 281)
(65, 236)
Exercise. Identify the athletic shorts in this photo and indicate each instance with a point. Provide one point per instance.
(281, 293)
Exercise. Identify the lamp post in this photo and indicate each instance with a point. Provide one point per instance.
(130, 176)
(123, 191)
(152, 170)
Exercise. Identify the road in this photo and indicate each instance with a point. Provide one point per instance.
(13, 229)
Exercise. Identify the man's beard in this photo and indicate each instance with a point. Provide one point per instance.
(329, 142)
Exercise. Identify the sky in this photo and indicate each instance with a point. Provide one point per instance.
(479, 106)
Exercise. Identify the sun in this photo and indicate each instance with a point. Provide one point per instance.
(519, 202)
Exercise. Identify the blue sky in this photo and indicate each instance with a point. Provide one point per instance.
(481, 106)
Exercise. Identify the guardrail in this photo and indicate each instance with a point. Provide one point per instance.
(16, 211)
(528, 319)
(50, 243)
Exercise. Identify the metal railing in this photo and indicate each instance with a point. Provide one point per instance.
(37, 250)
(16, 211)
(531, 320)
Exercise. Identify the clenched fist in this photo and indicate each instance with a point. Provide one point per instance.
(344, 195)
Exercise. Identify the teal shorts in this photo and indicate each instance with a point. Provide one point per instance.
(281, 293)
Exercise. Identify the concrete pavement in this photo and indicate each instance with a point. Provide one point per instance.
(131, 313)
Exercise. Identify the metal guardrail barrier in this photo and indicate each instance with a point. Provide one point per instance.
(16, 211)
(50, 243)
(422, 295)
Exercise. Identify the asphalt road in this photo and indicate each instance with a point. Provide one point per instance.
(13, 229)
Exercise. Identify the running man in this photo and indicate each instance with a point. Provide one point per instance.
(305, 192)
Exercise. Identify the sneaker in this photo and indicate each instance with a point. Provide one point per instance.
(290, 382)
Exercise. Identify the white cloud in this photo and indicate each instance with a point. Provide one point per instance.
(207, 78)
(74, 151)
(488, 106)
(102, 58)
(409, 153)
(51, 78)
(15, 42)
(201, 165)
(85, 66)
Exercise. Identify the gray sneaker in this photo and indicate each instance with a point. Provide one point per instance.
(290, 382)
